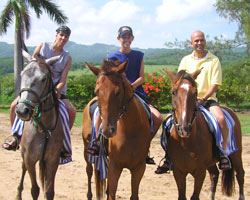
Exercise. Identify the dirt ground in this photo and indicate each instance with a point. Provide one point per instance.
(71, 179)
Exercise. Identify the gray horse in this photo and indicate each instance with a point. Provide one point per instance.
(42, 137)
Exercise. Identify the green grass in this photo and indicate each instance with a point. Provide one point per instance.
(245, 122)
(244, 118)
(78, 120)
(5, 110)
(149, 69)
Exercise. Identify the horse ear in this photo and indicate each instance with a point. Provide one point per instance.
(196, 73)
(94, 69)
(171, 75)
(26, 55)
(51, 60)
(122, 67)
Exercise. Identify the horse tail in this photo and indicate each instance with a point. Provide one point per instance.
(228, 182)
(42, 171)
(100, 185)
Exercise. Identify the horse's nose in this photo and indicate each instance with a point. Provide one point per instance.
(23, 112)
(186, 130)
(109, 131)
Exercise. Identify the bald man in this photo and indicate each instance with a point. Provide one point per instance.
(208, 82)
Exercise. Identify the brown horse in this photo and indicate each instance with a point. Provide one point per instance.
(191, 144)
(124, 123)
(42, 137)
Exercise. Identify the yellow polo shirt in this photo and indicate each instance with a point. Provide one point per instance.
(210, 74)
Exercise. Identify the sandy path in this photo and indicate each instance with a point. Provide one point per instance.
(71, 179)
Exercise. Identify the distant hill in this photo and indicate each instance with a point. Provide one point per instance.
(97, 52)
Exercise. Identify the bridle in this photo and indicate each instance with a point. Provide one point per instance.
(124, 102)
(38, 106)
(190, 124)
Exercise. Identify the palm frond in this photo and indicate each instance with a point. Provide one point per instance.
(6, 17)
(53, 11)
(26, 21)
(36, 5)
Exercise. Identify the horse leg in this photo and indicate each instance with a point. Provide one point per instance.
(180, 179)
(114, 174)
(20, 186)
(136, 176)
(199, 177)
(214, 175)
(49, 185)
(35, 190)
(89, 171)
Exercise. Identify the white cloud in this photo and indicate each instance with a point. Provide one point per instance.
(177, 10)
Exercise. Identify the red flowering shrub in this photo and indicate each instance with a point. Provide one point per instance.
(157, 88)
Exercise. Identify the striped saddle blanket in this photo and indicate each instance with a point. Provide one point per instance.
(213, 126)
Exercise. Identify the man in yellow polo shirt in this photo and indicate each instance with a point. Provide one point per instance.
(208, 81)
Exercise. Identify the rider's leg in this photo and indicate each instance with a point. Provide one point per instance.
(12, 141)
(218, 113)
(157, 121)
(224, 162)
(13, 111)
(71, 111)
(157, 118)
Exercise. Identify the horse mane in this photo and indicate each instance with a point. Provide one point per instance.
(109, 65)
(184, 75)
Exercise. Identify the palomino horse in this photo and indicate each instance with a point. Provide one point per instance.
(191, 144)
(42, 137)
(124, 123)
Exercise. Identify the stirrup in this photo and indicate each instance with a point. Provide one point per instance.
(165, 168)
(94, 149)
(226, 162)
(10, 143)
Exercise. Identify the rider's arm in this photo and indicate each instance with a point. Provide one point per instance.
(64, 75)
(141, 78)
(37, 50)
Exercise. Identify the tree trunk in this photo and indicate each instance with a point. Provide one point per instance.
(18, 61)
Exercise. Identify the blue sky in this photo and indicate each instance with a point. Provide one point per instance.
(154, 22)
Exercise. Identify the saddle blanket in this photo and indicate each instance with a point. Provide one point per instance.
(101, 161)
(19, 124)
(213, 126)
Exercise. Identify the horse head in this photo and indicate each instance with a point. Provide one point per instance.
(35, 83)
(113, 92)
(184, 100)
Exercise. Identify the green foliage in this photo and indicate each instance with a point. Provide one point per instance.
(80, 90)
(6, 89)
(238, 11)
(236, 83)
(6, 65)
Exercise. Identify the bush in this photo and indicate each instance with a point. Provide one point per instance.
(235, 86)
(80, 90)
(7, 92)
(157, 88)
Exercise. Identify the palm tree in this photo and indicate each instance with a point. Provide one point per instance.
(18, 11)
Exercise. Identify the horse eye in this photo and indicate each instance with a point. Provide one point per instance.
(117, 92)
(173, 92)
(44, 79)
(96, 91)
